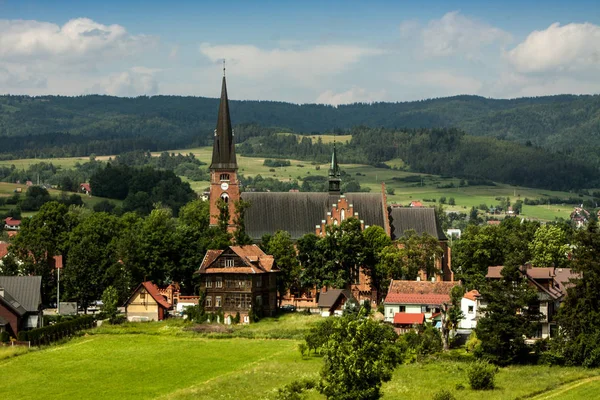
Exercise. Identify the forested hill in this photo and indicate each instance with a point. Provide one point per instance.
(563, 123)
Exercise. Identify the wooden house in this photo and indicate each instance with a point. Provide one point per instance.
(238, 279)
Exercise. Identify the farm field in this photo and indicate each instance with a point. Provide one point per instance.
(371, 177)
(8, 189)
(162, 360)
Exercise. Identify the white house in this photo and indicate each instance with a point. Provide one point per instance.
(469, 305)
(416, 297)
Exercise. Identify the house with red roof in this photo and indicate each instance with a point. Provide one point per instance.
(85, 188)
(146, 304)
(469, 306)
(417, 297)
(416, 203)
(238, 279)
(404, 322)
(12, 224)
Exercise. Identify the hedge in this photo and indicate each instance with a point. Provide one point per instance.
(51, 333)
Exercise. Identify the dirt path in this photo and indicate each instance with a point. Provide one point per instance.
(565, 388)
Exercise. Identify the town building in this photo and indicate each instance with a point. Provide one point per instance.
(146, 304)
(416, 297)
(12, 224)
(237, 280)
(300, 213)
(333, 301)
(469, 306)
(551, 285)
(20, 303)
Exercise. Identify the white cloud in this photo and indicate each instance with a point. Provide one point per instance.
(78, 39)
(456, 34)
(353, 95)
(134, 82)
(305, 64)
(570, 47)
(409, 28)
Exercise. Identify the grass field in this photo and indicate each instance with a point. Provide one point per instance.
(167, 361)
(371, 177)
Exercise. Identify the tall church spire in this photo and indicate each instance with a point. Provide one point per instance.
(334, 173)
(223, 147)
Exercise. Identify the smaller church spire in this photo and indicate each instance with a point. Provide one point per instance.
(334, 173)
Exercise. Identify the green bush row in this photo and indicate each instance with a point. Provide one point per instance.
(51, 333)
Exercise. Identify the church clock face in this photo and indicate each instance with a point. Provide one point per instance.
(224, 186)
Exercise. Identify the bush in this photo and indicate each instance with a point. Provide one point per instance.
(293, 390)
(51, 333)
(481, 375)
(473, 343)
(4, 337)
(444, 395)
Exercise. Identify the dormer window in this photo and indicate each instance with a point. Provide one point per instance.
(224, 177)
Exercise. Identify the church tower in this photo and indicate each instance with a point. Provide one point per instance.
(334, 174)
(223, 169)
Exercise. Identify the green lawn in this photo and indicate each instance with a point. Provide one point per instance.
(370, 177)
(166, 360)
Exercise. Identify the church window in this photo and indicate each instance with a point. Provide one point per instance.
(224, 177)
(343, 214)
(335, 222)
(225, 197)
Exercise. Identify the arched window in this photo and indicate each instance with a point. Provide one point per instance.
(225, 197)
(342, 215)
(224, 177)
(335, 222)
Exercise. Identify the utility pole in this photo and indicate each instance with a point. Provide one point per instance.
(58, 291)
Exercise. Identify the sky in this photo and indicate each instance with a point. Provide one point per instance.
(330, 52)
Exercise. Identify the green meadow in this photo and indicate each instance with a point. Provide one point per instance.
(372, 178)
(171, 360)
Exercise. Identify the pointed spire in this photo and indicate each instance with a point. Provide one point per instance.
(334, 173)
(334, 168)
(223, 146)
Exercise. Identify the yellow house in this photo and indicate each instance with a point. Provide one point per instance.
(146, 304)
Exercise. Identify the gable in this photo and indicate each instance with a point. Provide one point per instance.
(421, 220)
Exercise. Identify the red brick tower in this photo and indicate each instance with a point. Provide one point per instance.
(223, 169)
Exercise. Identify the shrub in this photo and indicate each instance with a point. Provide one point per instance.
(444, 394)
(481, 375)
(51, 333)
(473, 343)
(302, 348)
(293, 390)
(4, 337)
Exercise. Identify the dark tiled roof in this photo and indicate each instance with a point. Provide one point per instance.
(328, 299)
(223, 146)
(26, 290)
(12, 303)
(422, 220)
(299, 213)
(255, 261)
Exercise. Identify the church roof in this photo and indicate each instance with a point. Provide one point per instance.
(223, 146)
(299, 213)
(422, 220)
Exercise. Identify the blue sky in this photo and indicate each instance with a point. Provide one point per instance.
(331, 52)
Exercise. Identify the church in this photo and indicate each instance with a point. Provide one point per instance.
(300, 213)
